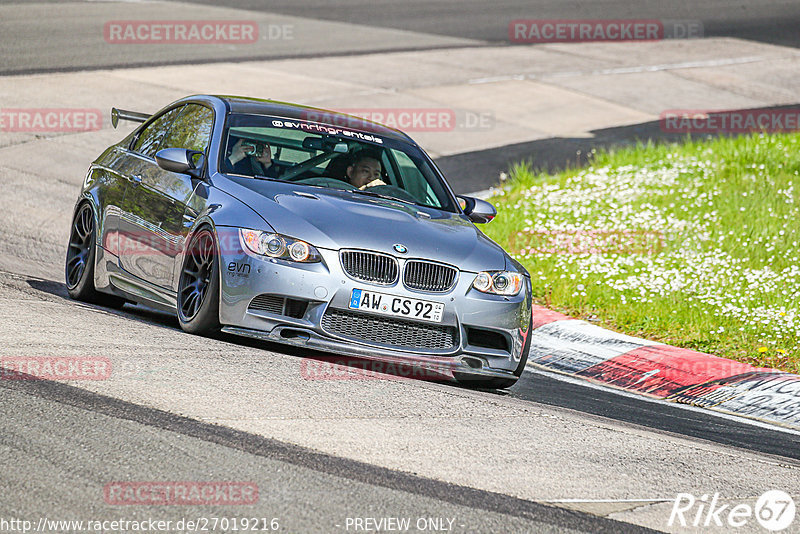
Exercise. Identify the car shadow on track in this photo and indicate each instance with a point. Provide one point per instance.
(48, 286)
(134, 311)
(314, 365)
(323, 366)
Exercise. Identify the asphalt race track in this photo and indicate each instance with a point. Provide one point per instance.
(69, 435)
(768, 21)
(416, 24)
(550, 455)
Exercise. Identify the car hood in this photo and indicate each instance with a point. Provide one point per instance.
(337, 219)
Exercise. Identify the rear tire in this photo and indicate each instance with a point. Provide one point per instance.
(79, 263)
(198, 288)
(473, 381)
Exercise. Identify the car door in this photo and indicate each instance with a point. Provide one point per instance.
(192, 131)
(160, 200)
(113, 171)
(136, 247)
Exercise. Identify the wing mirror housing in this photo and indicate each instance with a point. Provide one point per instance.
(181, 161)
(479, 211)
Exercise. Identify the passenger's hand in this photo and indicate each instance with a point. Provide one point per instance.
(237, 153)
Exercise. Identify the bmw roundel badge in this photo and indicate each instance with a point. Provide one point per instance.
(400, 248)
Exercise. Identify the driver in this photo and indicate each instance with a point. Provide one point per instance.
(252, 158)
(365, 171)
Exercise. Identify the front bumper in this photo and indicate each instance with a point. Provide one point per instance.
(325, 286)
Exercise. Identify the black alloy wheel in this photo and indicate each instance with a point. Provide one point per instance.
(79, 264)
(198, 290)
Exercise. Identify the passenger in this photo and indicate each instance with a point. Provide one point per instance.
(252, 158)
(365, 171)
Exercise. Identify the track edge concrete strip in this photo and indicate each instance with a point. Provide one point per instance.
(572, 347)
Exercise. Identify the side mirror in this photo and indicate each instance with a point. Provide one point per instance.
(179, 160)
(479, 211)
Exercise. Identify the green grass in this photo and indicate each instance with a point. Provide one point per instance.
(694, 244)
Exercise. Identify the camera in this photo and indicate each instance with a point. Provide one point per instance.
(253, 149)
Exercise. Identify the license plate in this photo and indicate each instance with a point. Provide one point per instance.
(374, 302)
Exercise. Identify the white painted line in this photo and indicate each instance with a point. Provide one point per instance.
(710, 63)
(607, 500)
(690, 64)
(493, 79)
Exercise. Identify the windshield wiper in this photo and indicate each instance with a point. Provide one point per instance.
(257, 176)
(387, 197)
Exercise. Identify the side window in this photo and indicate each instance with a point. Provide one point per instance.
(388, 170)
(148, 141)
(192, 129)
(415, 183)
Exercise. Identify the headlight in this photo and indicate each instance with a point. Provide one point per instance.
(504, 283)
(278, 246)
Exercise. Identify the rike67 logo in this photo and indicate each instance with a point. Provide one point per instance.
(774, 510)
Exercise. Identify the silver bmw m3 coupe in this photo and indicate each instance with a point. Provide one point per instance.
(302, 226)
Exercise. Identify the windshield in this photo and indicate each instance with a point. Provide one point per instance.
(313, 154)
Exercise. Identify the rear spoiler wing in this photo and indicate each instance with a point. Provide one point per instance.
(121, 114)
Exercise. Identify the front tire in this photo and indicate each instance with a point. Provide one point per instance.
(79, 263)
(198, 288)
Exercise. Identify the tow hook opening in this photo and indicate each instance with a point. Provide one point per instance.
(291, 333)
(473, 363)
